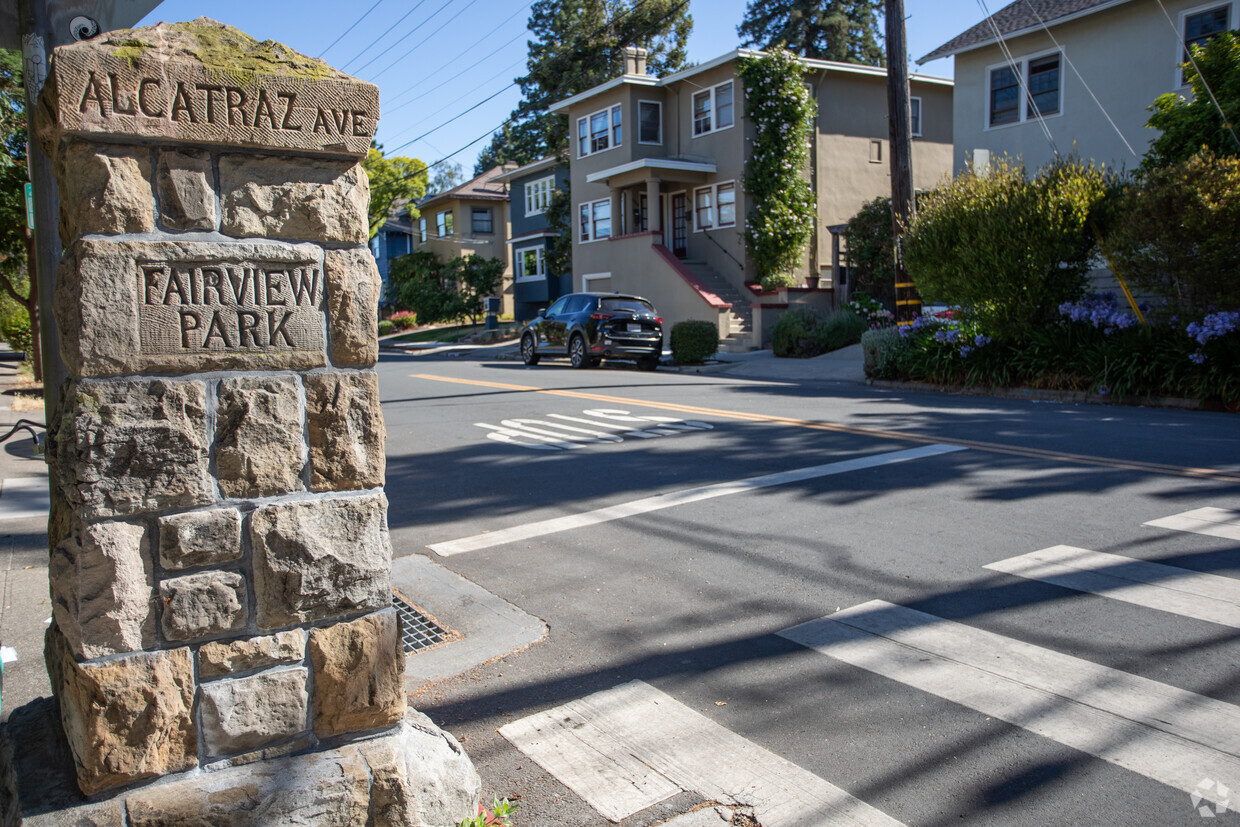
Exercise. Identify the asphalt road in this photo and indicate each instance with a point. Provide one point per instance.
(1068, 689)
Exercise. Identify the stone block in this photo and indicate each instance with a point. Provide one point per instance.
(204, 83)
(353, 286)
(301, 199)
(325, 789)
(243, 714)
(202, 604)
(226, 658)
(129, 446)
(199, 538)
(420, 775)
(128, 718)
(102, 587)
(105, 189)
(345, 425)
(359, 671)
(259, 448)
(185, 183)
(127, 307)
(319, 559)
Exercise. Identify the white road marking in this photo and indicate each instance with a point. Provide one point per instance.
(675, 498)
(1212, 522)
(1192, 594)
(7, 654)
(23, 497)
(626, 748)
(1168, 734)
(544, 435)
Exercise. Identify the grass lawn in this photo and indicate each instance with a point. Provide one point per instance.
(451, 334)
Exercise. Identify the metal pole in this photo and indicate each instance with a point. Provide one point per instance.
(903, 207)
(37, 43)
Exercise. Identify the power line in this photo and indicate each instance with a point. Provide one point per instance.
(1200, 76)
(456, 117)
(503, 71)
(414, 29)
(346, 31)
(1020, 79)
(345, 65)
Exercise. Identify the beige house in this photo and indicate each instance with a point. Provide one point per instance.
(657, 168)
(1074, 76)
(470, 219)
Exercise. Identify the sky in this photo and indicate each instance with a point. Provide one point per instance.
(445, 68)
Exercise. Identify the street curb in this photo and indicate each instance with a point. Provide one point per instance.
(1037, 395)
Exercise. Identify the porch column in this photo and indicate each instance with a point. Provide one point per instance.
(617, 214)
(653, 213)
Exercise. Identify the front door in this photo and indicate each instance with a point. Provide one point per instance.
(680, 225)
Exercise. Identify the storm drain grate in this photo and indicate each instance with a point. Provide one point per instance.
(417, 630)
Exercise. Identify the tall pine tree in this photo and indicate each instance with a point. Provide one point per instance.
(579, 44)
(843, 30)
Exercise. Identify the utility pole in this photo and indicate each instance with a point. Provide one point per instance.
(903, 207)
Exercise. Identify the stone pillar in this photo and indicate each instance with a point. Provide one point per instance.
(220, 555)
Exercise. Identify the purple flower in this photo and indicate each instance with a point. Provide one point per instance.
(965, 351)
(981, 340)
(1197, 358)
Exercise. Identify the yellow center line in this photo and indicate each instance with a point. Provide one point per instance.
(818, 425)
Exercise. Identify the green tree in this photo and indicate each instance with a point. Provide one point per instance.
(871, 257)
(446, 177)
(577, 44)
(395, 184)
(1189, 125)
(843, 30)
(444, 291)
(20, 322)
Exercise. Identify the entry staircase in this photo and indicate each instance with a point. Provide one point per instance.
(740, 322)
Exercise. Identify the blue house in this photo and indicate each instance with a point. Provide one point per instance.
(530, 188)
(394, 239)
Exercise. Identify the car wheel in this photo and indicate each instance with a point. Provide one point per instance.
(529, 354)
(648, 363)
(577, 352)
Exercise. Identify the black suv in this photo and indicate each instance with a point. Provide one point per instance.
(590, 327)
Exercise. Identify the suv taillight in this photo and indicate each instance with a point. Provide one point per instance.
(598, 317)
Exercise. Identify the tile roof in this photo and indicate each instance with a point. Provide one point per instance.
(1017, 17)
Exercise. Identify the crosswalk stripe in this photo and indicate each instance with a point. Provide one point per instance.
(676, 498)
(1168, 734)
(636, 736)
(1192, 594)
(1212, 522)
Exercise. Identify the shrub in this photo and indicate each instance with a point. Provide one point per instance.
(386, 327)
(15, 328)
(1007, 249)
(1175, 236)
(404, 319)
(879, 351)
(443, 291)
(1189, 125)
(694, 341)
(793, 334)
(871, 262)
(840, 328)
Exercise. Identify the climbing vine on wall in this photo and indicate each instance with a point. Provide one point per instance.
(781, 220)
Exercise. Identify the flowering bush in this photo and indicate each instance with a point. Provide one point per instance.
(1100, 311)
(779, 225)
(404, 319)
(871, 310)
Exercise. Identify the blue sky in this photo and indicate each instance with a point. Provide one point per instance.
(435, 59)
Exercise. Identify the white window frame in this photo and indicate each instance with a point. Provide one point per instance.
(440, 225)
(538, 195)
(714, 110)
(658, 104)
(1021, 66)
(586, 278)
(713, 189)
(1233, 22)
(540, 253)
(610, 130)
(920, 113)
(422, 229)
(588, 208)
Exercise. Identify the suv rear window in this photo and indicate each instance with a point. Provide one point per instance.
(629, 305)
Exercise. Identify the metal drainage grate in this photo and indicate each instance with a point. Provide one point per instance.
(417, 630)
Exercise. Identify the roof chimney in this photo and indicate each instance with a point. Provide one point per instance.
(634, 60)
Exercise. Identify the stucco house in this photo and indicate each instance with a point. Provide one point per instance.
(1072, 76)
(657, 167)
(535, 284)
(471, 218)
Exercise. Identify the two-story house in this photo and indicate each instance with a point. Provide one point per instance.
(1073, 76)
(470, 219)
(535, 283)
(657, 167)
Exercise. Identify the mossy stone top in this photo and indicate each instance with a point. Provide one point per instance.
(204, 83)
